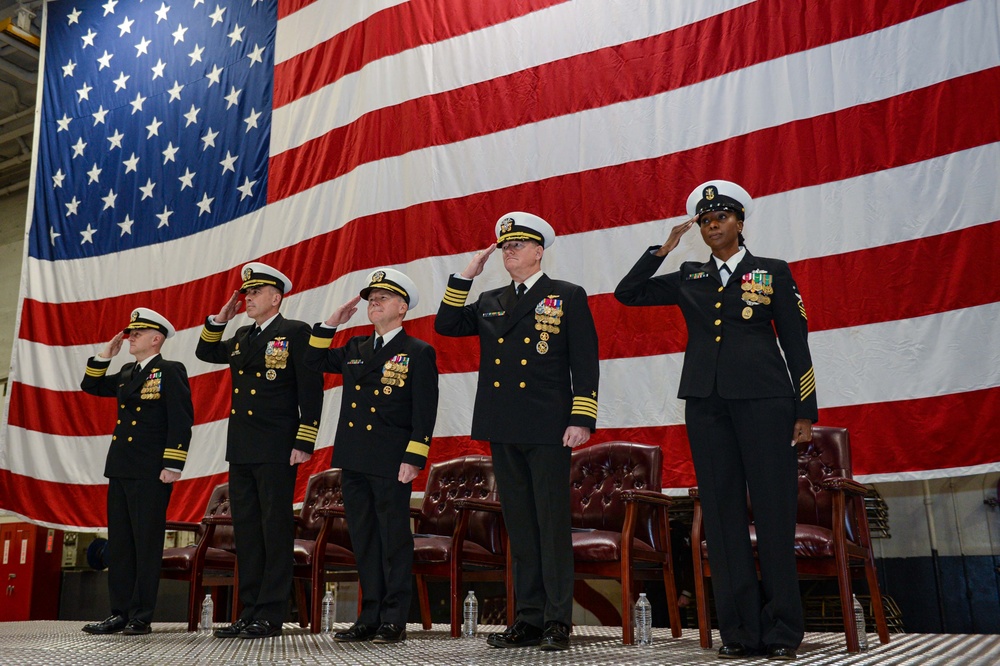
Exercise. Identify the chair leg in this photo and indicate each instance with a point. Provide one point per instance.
(878, 610)
(457, 605)
(627, 602)
(424, 601)
(195, 592)
(672, 610)
(318, 589)
(847, 604)
(701, 599)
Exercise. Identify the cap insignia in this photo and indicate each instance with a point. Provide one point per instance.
(247, 273)
(135, 315)
(506, 224)
(378, 276)
(709, 193)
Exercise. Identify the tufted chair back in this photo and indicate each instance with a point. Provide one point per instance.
(218, 505)
(598, 475)
(827, 455)
(467, 477)
(323, 490)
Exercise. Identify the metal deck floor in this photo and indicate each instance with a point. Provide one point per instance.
(51, 643)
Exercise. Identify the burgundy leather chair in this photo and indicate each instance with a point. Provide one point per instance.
(831, 533)
(210, 561)
(459, 534)
(321, 529)
(620, 522)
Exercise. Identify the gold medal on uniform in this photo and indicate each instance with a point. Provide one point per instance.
(543, 336)
(747, 312)
(542, 347)
(387, 390)
(271, 375)
(276, 353)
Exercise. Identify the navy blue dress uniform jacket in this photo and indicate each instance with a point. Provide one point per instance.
(532, 383)
(731, 342)
(277, 400)
(155, 416)
(389, 402)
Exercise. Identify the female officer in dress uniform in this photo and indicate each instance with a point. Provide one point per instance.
(743, 414)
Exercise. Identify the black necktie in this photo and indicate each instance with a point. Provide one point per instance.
(253, 334)
(724, 276)
(378, 343)
(521, 288)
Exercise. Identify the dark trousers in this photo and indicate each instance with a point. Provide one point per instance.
(533, 481)
(264, 531)
(741, 446)
(137, 517)
(378, 520)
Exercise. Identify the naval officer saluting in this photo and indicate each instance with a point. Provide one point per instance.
(387, 416)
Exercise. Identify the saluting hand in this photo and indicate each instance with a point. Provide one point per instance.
(342, 314)
(114, 346)
(475, 267)
(675, 236)
(230, 309)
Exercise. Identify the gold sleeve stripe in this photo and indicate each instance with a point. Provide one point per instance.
(584, 406)
(174, 454)
(802, 310)
(211, 336)
(807, 385)
(96, 372)
(319, 343)
(418, 448)
(307, 433)
(455, 297)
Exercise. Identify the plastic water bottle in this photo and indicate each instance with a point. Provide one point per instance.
(643, 621)
(859, 622)
(326, 624)
(470, 613)
(207, 614)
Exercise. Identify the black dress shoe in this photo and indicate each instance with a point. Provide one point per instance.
(780, 653)
(555, 636)
(390, 633)
(261, 629)
(232, 631)
(520, 634)
(357, 632)
(111, 625)
(734, 651)
(137, 628)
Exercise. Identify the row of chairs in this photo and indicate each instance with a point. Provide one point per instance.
(621, 531)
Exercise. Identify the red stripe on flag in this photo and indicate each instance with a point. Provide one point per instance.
(864, 139)
(600, 78)
(288, 7)
(386, 33)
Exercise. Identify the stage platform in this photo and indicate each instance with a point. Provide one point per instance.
(46, 643)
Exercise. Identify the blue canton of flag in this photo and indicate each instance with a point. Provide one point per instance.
(156, 121)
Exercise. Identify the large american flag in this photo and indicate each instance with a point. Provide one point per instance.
(180, 139)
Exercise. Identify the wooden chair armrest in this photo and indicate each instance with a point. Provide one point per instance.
(182, 526)
(693, 493)
(335, 511)
(477, 505)
(845, 485)
(646, 497)
(218, 519)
